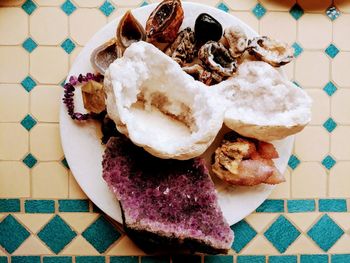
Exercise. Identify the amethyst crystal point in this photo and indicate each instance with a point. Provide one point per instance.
(165, 203)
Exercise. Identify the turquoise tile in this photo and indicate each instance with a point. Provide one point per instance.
(57, 259)
(293, 161)
(313, 259)
(124, 259)
(325, 232)
(68, 7)
(328, 162)
(144, 3)
(251, 259)
(297, 206)
(223, 7)
(56, 234)
(340, 258)
(25, 259)
(30, 160)
(271, 206)
(297, 84)
(68, 45)
(39, 206)
(330, 125)
(282, 234)
(332, 12)
(107, 8)
(65, 163)
(244, 233)
(296, 11)
(29, 6)
(218, 259)
(10, 205)
(101, 234)
(28, 122)
(3, 259)
(73, 205)
(186, 259)
(90, 259)
(283, 259)
(332, 51)
(29, 45)
(297, 49)
(259, 11)
(332, 205)
(155, 259)
(330, 88)
(8, 240)
(28, 84)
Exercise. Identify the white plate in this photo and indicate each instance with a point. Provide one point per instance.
(83, 149)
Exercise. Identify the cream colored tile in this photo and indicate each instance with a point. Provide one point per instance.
(341, 106)
(74, 54)
(49, 180)
(303, 245)
(342, 219)
(320, 106)
(248, 18)
(79, 221)
(315, 5)
(340, 66)
(14, 180)
(303, 220)
(240, 4)
(309, 180)
(89, 3)
(130, 3)
(282, 190)
(13, 26)
(311, 74)
(307, 140)
(49, 2)
(260, 221)
(339, 180)
(14, 102)
(79, 246)
(341, 246)
(125, 247)
(45, 143)
(34, 222)
(309, 35)
(340, 146)
(92, 19)
(259, 245)
(13, 58)
(341, 32)
(32, 246)
(286, 29)
(74, 188)
(277, 5)
(49, 25)
(13, 141)
(45, 103)
(49, 64)
(119, 12)
(343, 5)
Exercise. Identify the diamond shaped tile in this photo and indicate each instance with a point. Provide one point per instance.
(223, 7)
(330, 125)
(56, 234)
(293, 161)
(107, 8)
(325, 232)
(296, 11)
(332, 51)
(68, 7)
(296, 83)
(28, 122)
(332, 12)
(101, 234)
(28, 83)
(297, 49)
(328, 162)
(30, 160)
(259, 11)
(29, 6)
(65, 163)
(8, 240)
(29, 45)
(244, 233)
(68, 46)
(144, 3)
(282, 234)
(330, 88)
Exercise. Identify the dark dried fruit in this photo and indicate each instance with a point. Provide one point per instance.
(207, 28)
(164, 22)
(129, 30)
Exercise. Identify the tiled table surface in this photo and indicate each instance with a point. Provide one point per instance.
(44, 216)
